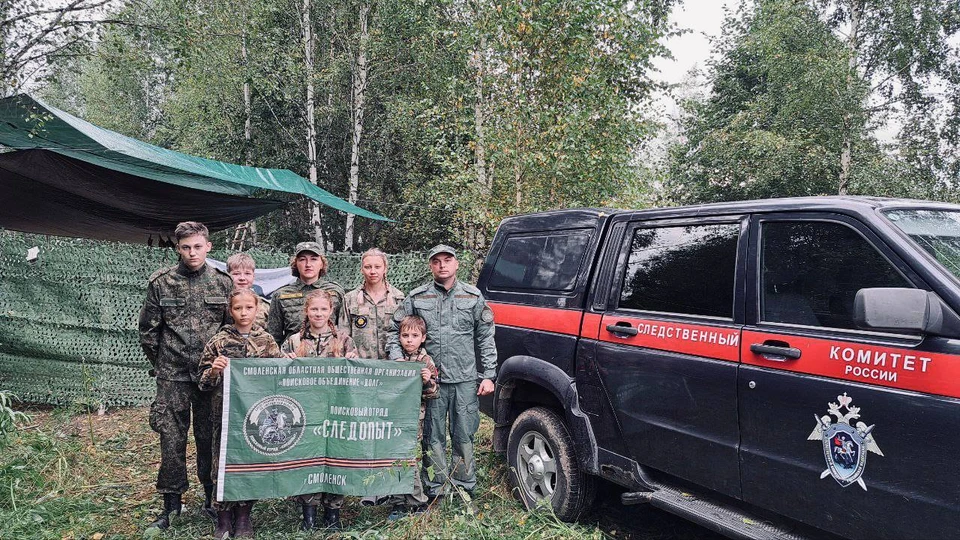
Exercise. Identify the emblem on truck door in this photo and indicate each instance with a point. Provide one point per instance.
(845, 445)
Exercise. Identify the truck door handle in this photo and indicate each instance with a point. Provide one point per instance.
(777, 351)
(623, 328)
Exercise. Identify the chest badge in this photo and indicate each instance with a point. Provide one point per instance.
(845, 444)
(360, 321)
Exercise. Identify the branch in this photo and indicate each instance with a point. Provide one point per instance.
(39, 37)
(67, 9)
(882, 106)
(896, 73)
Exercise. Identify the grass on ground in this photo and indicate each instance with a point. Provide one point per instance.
(70, 475)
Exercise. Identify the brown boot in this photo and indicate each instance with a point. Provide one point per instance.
(243, 526)
(224, 524)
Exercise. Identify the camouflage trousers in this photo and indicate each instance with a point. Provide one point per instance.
(417, 497)
(170, 416)
(459, 403)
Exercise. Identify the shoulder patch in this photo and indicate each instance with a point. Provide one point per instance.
(161, 272)
(331, 286)
(421, 289)
(470, 289)
(487, 315)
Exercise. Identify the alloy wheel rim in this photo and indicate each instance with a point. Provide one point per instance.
(537, 466)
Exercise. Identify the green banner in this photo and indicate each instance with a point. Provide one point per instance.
(318, 425)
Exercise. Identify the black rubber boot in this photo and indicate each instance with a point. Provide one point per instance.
(331, 519)
(243, 526)
(208, 502)
(224, 525)
(309, 518)
(171, 504)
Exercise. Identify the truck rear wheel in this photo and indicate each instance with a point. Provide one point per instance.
(544, 467)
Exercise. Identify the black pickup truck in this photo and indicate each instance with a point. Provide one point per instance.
(783, 368)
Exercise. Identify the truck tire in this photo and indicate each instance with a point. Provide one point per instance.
(544, 467)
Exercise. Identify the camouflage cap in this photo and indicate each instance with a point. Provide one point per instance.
(441, 248)
(308, 246)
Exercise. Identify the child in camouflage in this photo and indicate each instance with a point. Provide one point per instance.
(319, 338)
(242, 339)
(242, 269)
(412, 334)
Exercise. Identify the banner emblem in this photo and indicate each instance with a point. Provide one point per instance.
(274, 425)
(845, 445)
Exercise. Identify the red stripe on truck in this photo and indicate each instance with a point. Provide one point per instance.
(719, 342)
(895, 367)
(561, 321)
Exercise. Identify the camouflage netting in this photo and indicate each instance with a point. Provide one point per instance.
(68, 320)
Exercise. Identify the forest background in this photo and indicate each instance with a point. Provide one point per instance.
(447, 115)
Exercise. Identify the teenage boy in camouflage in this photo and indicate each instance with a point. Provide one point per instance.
(309, 266)
(184, 308)
(459, 332)
(370, 306)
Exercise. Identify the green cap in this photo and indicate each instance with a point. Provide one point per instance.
(441, 248)
(308, 246)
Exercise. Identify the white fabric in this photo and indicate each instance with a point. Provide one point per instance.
(269, 279)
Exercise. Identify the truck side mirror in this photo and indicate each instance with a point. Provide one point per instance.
(904, 310)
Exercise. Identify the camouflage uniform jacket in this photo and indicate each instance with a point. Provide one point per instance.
(231, 343)
(263, 311)
(286, 307)
(370, 321)
(183, 310)
(431, 390)
(459, 330)
(323, 346)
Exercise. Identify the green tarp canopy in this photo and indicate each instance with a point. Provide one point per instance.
(68, 177)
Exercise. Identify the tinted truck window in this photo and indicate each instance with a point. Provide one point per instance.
(685, 270)
(812, 270)
(543, 261)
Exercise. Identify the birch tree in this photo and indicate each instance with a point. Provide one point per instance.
(358, 87)
(905, 51)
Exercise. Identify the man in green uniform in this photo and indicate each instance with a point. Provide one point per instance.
(185, 306)
(309, 266)
(459, 333)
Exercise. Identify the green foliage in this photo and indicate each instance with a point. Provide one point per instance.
(772, 126)
(795, 85)
(9, 417)
(908, 52)
(474, 110)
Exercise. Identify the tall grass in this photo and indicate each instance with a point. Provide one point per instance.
(74, 475)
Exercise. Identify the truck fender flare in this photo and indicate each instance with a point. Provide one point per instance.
(562, 386)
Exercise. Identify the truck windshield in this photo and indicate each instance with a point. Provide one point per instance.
(936, 231)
